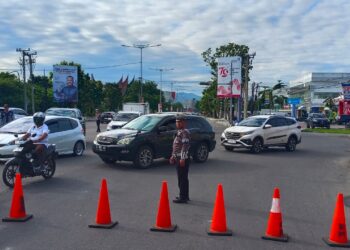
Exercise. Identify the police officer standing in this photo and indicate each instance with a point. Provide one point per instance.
(180, 157)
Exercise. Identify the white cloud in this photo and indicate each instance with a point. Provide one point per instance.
(289, 37)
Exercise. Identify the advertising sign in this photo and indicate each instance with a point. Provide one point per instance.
(346, 91)
(65, 83)
(293, 100)
(229, 77)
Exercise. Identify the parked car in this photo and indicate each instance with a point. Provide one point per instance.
(122, 118)
(106, 117)
(317, 120)
(262, 131)
(17, 112)
(68, 112)
(149, 137)
(65, 132)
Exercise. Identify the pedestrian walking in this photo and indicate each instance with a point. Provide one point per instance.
(6, 115)
(180, 157)
(98, 120)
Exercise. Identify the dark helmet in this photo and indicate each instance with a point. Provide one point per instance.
(180, 117)
(39, 118)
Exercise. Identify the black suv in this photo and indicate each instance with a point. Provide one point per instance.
(149, 137)
(317, 120)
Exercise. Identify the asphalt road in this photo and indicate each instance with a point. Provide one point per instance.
(309, 180)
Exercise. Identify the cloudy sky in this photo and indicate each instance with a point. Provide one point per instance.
(290, 37)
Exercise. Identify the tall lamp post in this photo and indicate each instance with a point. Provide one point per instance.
(161, 85)
(141, 47)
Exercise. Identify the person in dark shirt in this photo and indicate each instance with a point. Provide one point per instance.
(69, 93)
(6, 116)
(180, 157)
(98, 120)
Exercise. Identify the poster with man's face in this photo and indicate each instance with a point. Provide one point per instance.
(65, 83)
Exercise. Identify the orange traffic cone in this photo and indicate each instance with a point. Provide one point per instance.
(18, 210)
(338, 235)
(103, 215)
(274, 230)
(218, 221)
(163, 221)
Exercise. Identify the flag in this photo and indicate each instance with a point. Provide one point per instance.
(132, 81)
(120, 82)
(124, 85)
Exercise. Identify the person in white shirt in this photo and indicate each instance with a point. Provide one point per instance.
(38, 134)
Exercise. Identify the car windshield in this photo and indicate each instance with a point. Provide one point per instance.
(143, 123)
(318, 116)
(61, 112)
(18, 126)
(125, 117)
(252, 122)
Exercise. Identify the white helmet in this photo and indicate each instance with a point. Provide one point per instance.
(39, 118)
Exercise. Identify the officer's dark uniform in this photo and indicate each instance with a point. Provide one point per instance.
(181, 146)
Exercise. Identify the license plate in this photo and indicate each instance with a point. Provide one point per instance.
(231, 141)
(101, 148)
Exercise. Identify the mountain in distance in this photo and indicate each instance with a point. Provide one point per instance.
(184, 96)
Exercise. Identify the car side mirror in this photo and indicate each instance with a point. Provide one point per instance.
(162, 129)
(268, 126)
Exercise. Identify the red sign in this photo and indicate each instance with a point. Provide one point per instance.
(346, 108)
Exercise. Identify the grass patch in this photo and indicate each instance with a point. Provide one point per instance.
(328, 131)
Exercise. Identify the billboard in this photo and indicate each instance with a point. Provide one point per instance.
(229, 76)
(169, 96)
(346, 91)
(65, 83)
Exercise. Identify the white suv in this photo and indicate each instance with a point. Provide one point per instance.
(261, 131)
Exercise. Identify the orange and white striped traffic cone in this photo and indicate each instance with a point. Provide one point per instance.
(274, 230)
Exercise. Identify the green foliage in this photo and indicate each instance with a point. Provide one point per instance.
(11, 90)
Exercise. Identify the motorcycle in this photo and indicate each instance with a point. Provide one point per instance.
(24, 163)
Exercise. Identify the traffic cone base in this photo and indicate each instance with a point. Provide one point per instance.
(228, 232)
(335, 244)
(170, 229)
(284, 238)
(105, 226)
(23, 219)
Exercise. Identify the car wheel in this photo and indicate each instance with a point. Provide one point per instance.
(257, 146)
(307, 125)
(144, 157)
(312, 125)
(201, 152)
(78, 149)
(291, 144)
(328, 127)
(107, 160)
(229, 148)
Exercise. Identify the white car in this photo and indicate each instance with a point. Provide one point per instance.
(122, 118)
(262, 131)
(17, 112)
(65, 132)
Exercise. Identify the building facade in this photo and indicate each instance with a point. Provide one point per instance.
(314, 88)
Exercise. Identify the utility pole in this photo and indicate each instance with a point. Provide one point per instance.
(248, 65)
(161, 86)
(22, 63)
(31, 76)
(141, 47)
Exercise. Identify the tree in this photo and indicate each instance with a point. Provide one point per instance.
(11, 90)
(209, 103)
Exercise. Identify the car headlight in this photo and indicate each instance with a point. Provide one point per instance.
(12, 142)
(125, 140)
(223, 135)
(247, 133)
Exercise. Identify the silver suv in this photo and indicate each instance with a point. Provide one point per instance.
(262, 131)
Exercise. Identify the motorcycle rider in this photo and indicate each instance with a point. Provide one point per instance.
(39, 136)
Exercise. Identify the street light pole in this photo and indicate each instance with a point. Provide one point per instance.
(161, 86)
(141, 47)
